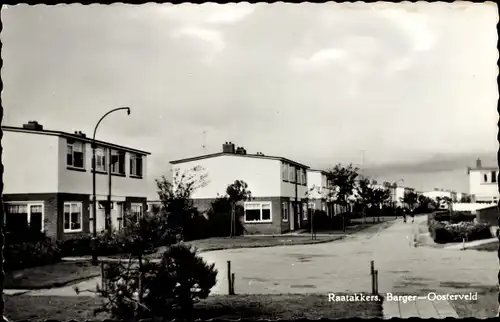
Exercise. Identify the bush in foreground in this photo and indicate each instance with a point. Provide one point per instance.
(36, 250)
(167, 289)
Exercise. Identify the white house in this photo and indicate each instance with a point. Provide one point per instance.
(442, 193)
(483, 185)
(278, 186)
(48, 180)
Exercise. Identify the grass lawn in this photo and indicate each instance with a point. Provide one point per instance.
(285, 306)
(49, 276)
(218, 243)
(486, 305)
(490, 247)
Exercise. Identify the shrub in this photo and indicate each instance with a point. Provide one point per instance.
(164, 289)
(219, 217)
(37, 251)
(443, 231)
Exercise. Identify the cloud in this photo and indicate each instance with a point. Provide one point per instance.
(213, 41)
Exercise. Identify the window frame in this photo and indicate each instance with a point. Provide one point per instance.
(284, 172)
(261, 204)
(285, 211)
(28, 204)
(118, 153)
(104, 157)
(132, 159)
(71, 204)
(71, 143)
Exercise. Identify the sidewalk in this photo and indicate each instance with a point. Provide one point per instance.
(421, 308)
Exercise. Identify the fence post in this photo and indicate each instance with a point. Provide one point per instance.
(232, 284)
(103, 282)
(372, 274)
(229, 281)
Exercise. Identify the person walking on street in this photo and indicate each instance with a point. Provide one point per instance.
(412, 214)
(404, 215)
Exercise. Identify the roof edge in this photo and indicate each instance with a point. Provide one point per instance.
(72, 136)
(218, 154)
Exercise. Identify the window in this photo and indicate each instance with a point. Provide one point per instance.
(284, 171)
(136, 211)
(284, 211)
(304, 177)
(100, 159)
(485, 177)
(117, 162)
(23, 216)
(258, 212)
(136, 165)
(75, 154)
(72, 221)
(493, 176)
(291, 173)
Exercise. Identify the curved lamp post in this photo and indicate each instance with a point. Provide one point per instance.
(94, 201)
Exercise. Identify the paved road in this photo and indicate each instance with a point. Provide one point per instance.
(344, 266)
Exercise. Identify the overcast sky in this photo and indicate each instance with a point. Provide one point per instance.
(317, 83)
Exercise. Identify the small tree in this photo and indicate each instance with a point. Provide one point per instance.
(365, 194)
(176, 199)
(410, 198)
(343, 178)
(381, 196)
(236, 192)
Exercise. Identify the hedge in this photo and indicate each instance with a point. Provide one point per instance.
(461, 225)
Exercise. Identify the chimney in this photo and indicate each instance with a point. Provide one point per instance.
(228, 147)
(478, 163)
(33, 125)
(241, 150)
(80, 133)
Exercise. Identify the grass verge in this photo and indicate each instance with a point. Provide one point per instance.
(490, 247)
(50, 276)
(253, 307)
(220, 243)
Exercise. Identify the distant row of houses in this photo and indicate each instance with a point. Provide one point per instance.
(48, 183)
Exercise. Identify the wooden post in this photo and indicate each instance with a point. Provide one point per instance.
(372, 274)
(229, 279)
(103, 281)
(376, 282)
(232, 284)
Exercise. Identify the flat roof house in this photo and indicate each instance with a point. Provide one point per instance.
(483, 185)
(278, 186)
(48, 181)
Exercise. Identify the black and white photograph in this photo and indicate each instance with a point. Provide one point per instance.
(256, 161)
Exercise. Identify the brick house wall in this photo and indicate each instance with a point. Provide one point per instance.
(53, 211)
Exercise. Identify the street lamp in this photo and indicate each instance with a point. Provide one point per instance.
(94, 201)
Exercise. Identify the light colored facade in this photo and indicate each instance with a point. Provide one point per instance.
(441, 193)
(483, 185)
(278, 187)
(50, 172)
